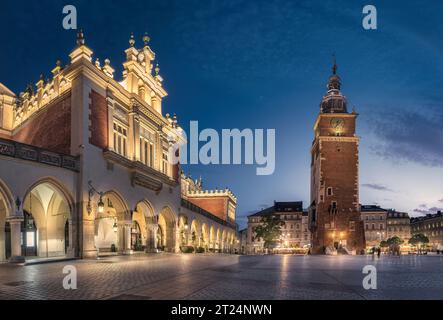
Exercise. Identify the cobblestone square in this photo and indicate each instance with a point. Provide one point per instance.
(226, 277)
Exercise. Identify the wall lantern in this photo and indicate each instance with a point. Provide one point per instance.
(100, 205)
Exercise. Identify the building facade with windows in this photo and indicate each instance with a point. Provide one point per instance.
(295, 232)
(431, 226)
(398, 224)
(86, 168)
(375, 223)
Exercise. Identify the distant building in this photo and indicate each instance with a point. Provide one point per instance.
(431, 226)
(295, 232)
(398, 225)
(375, 223)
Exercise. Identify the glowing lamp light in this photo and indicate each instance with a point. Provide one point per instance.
(101, 206)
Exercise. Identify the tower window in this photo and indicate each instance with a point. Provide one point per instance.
(329, 191)
(334, 205)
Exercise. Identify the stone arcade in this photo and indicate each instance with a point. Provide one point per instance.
(84, 167)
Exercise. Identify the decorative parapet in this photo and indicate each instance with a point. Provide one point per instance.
(213, 193)
(17, 150)
(36, 98)
(190, 206)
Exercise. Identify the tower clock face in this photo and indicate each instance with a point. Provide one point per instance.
(337, 123)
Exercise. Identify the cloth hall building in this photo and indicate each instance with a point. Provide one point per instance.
(85, 168)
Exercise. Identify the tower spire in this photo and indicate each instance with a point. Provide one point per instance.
(334, 67)
(334, 82)
(132, 40)
(80, 38)
(334, 101)
(146, 39)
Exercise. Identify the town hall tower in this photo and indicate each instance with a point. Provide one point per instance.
(334, 215)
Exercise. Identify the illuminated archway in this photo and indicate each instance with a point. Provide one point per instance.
(195, 238)
(183, 230)
(6, 205)
(217, 239)
(47, 227)
(167, 228)
(204, 236)
(212, 237)
(110, 225)
(224, 241)
(145, 217)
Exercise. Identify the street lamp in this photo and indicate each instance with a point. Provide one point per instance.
(100, 205)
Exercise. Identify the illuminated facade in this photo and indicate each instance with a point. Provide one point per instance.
(431, 226)
(294, 232)
(398, 225)
(85, 168)
(334, 215)
(375, 221)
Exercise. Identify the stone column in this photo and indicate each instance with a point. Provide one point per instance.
(154, 235)
(127, 239)
(175, 239)
(71, 248)
(151, 245)
(89, 251)
(16, 246)
(88, 230)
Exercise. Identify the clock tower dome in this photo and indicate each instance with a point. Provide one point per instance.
(334, 215)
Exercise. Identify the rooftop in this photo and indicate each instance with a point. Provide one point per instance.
(372, 208)
(280, 207)
(439, 214)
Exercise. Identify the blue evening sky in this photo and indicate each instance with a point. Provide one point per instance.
(265, 64)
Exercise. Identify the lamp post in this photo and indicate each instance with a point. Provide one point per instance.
(100, 204)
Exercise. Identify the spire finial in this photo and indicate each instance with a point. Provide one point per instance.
(80, 38)
(157, 69)
(132, 40)
(334, 68)
(146, 39)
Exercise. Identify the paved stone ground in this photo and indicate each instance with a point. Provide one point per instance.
(213, 277)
